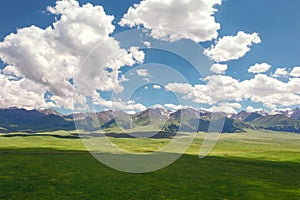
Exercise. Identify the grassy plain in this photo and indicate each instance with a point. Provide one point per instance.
(56, 165)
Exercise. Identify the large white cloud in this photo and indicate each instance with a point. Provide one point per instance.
(173, 20)
(51, 57)
(232, 47)
(221, 89)
(16, 93)
(295, 72)
(218, 88)
(272, 92)
(259, 68)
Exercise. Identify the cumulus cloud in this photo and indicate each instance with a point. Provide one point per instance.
(219, 68)
(259, 68)
(222, 88)
(16, 93)
(182, 88)
(117, 105)
(271, 92)
(226, 107)
(217, 88)
(280, 72)
(50, 57)
(232, 47)
(176, 107)
(142, 72)
(264, 89)
(147, 44)
(157, 106)
(295, 72)
(173, 20)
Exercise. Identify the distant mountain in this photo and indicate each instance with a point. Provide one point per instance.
(296, 114)
(119, 119)
(187, 113)
(151, 115)
(247, 116)
(19, 116)
(50, 112)
(277, 122)
(14, 119)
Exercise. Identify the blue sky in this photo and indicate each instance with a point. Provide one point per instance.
(276, 22)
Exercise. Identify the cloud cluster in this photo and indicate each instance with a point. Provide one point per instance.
(220, 89)
(172, 20)
(51, 57)
(232, 47)
(129, 106)
(284, 72)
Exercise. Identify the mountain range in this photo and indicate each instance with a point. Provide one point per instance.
(21, 120)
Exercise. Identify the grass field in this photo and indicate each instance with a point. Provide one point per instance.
(252, 165)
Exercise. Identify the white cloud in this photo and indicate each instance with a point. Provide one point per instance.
(173, 20)
(259, 68)
(182, 88)
(16, 93)
(117, 105)
(142, 72)
(262, 88)
(232, 47)
(176, 107)
(219, 68)
(157, 106)
(146, 79)
(157, 87)
(271, 92)
(130, 112)
(138, 55)
(217, 88)
(295, 72)
(50, 57)
(147, 44)
(223, 88)
(250, 109)
(229, 108)
(280, 72)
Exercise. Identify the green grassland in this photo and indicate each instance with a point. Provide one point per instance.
(56, 165)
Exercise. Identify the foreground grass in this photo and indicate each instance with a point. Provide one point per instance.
(254, 165)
